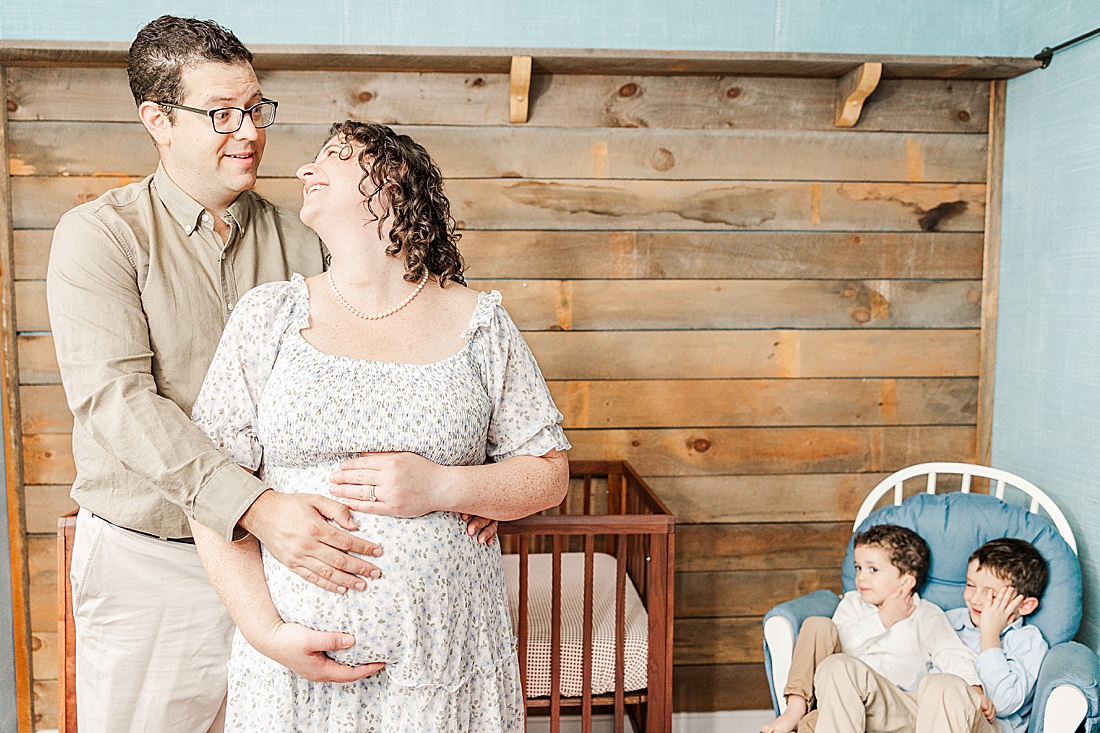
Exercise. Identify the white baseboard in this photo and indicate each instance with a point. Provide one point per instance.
(572, 724)
(723, 721)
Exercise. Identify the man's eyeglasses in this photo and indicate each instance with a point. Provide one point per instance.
(227, 120)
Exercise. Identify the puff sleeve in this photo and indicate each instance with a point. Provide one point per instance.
(226, 407)
(525, 420)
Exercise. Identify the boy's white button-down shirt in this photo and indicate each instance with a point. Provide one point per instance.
(1008, 674)
(913, 647)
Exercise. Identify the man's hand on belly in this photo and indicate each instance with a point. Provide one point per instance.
(302, 650)
(295, 530)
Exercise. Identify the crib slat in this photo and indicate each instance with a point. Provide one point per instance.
(587, 494)
(659, 591)
(524, 547)
(586, 649)
(555, 638)
(620, 630)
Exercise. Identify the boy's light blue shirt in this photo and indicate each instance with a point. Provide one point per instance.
(1008, 674)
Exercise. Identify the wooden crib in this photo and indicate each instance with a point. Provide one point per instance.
(609, 506)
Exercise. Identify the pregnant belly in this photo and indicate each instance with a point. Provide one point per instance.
(422, 616)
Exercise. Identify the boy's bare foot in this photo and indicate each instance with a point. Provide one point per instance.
(788, 721)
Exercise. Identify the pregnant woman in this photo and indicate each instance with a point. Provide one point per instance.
(390, 351)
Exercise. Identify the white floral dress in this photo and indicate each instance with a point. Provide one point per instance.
(438, 616)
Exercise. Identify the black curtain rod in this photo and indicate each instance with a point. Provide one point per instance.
(1048, 53)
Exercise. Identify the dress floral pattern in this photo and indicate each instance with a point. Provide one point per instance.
(438, 616)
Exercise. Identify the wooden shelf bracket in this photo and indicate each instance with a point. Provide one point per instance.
(852, 90)
(521, 89)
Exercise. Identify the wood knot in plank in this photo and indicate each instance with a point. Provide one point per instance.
(662, 159)
(699, 445)
(733, 92)
(12, 105)
(628, 90)
(364, 97)
(476, 82)
(962, 116)
(861, 315)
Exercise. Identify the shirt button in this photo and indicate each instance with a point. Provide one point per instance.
(229, 306)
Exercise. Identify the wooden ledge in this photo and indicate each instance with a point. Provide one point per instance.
(546, 61)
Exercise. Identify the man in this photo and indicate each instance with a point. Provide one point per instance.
(140, 285)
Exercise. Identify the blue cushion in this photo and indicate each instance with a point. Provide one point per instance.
(956, 524)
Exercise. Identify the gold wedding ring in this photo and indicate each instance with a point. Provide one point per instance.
(373, 496)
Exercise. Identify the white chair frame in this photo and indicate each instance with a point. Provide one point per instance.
(1066, 706)
(894, 482)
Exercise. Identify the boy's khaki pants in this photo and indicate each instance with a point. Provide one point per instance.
(853, 698)
(817, 639)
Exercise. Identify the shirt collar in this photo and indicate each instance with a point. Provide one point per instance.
(188, 212)
(184, 209)
(241, 209)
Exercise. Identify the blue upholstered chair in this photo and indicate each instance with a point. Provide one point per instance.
(954, 525)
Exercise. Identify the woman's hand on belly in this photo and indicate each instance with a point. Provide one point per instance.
(302, 650)
(395, 484)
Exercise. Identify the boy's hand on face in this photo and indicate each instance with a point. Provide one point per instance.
(897, 606)
(1000, 610)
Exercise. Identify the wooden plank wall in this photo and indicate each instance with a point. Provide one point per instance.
(762, 313)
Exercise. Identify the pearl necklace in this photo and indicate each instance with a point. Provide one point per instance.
(378, 316)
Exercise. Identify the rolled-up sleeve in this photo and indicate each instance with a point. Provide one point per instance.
(1009, 673)
(103, 348)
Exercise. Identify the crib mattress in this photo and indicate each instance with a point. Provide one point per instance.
(636, 643)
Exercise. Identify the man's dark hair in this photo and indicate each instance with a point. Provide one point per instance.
(168, 45)
(402, 180)
(1016, 562)
(907, 551)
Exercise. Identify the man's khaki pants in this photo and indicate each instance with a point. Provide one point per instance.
(853, 698)
(152, 637)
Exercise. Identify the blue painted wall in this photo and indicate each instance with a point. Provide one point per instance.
(1046, 414)
(970, 27)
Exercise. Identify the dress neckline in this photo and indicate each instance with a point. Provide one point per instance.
(486, 301)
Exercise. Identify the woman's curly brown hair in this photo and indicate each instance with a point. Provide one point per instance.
(399, 175)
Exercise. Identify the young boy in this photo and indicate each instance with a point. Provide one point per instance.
(882, 639)
(1004, 581)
